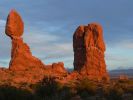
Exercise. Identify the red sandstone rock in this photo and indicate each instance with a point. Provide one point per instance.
(14, 25)
(23, 67)
(56, 69)
(89, 47)
(21, 57)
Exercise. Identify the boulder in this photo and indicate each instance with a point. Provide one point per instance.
(14, 25)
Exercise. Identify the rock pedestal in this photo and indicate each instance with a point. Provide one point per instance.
(21, 57)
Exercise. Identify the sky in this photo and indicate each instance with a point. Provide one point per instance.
(50, 24)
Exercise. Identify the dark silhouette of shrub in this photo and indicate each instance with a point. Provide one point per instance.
(115, 93)
(49, 89)
(86, 88)
(12, 93)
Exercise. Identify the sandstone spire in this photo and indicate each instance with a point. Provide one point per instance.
(21, 57)
(89, 48)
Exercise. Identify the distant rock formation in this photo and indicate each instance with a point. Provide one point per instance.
(21, 57)
(56, 69)
(89, 48)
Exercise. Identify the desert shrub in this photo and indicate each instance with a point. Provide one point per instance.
(126, 85)
(65, 93)
(86, 88)
(46, 87)
(12, 93)
(49, 89)
(105, 91)
(122, 81)
(105, 79)
(129, 90)
(115, 93)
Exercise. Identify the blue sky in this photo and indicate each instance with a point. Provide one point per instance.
(50, 24)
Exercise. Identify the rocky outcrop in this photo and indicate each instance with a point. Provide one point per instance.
(89, 48)
(56, 69)
(21, 57)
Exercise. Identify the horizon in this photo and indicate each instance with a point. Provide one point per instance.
(49, 28)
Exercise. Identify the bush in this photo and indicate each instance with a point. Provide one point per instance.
(126, 85)
(49, 89)
(115, 93)
(86, 88)
(12, 93)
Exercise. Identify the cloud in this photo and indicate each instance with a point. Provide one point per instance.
(2, 23)
(120, 54)
(49, 47)
(127, 44)
(4, 45)
(4, 62)
(43, 45)
(37, 37)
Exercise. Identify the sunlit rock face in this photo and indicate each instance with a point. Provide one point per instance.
(56, 69)
(88, 45)
(14, 25)
(21, 57)
(89, 48)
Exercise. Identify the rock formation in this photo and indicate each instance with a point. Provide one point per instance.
(89, 48)
(88, 45)
(21, 57)
(58, 68)
(23, 67)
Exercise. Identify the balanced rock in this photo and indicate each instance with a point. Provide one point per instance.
(21, 57)
(89, 48)
(14, 25)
